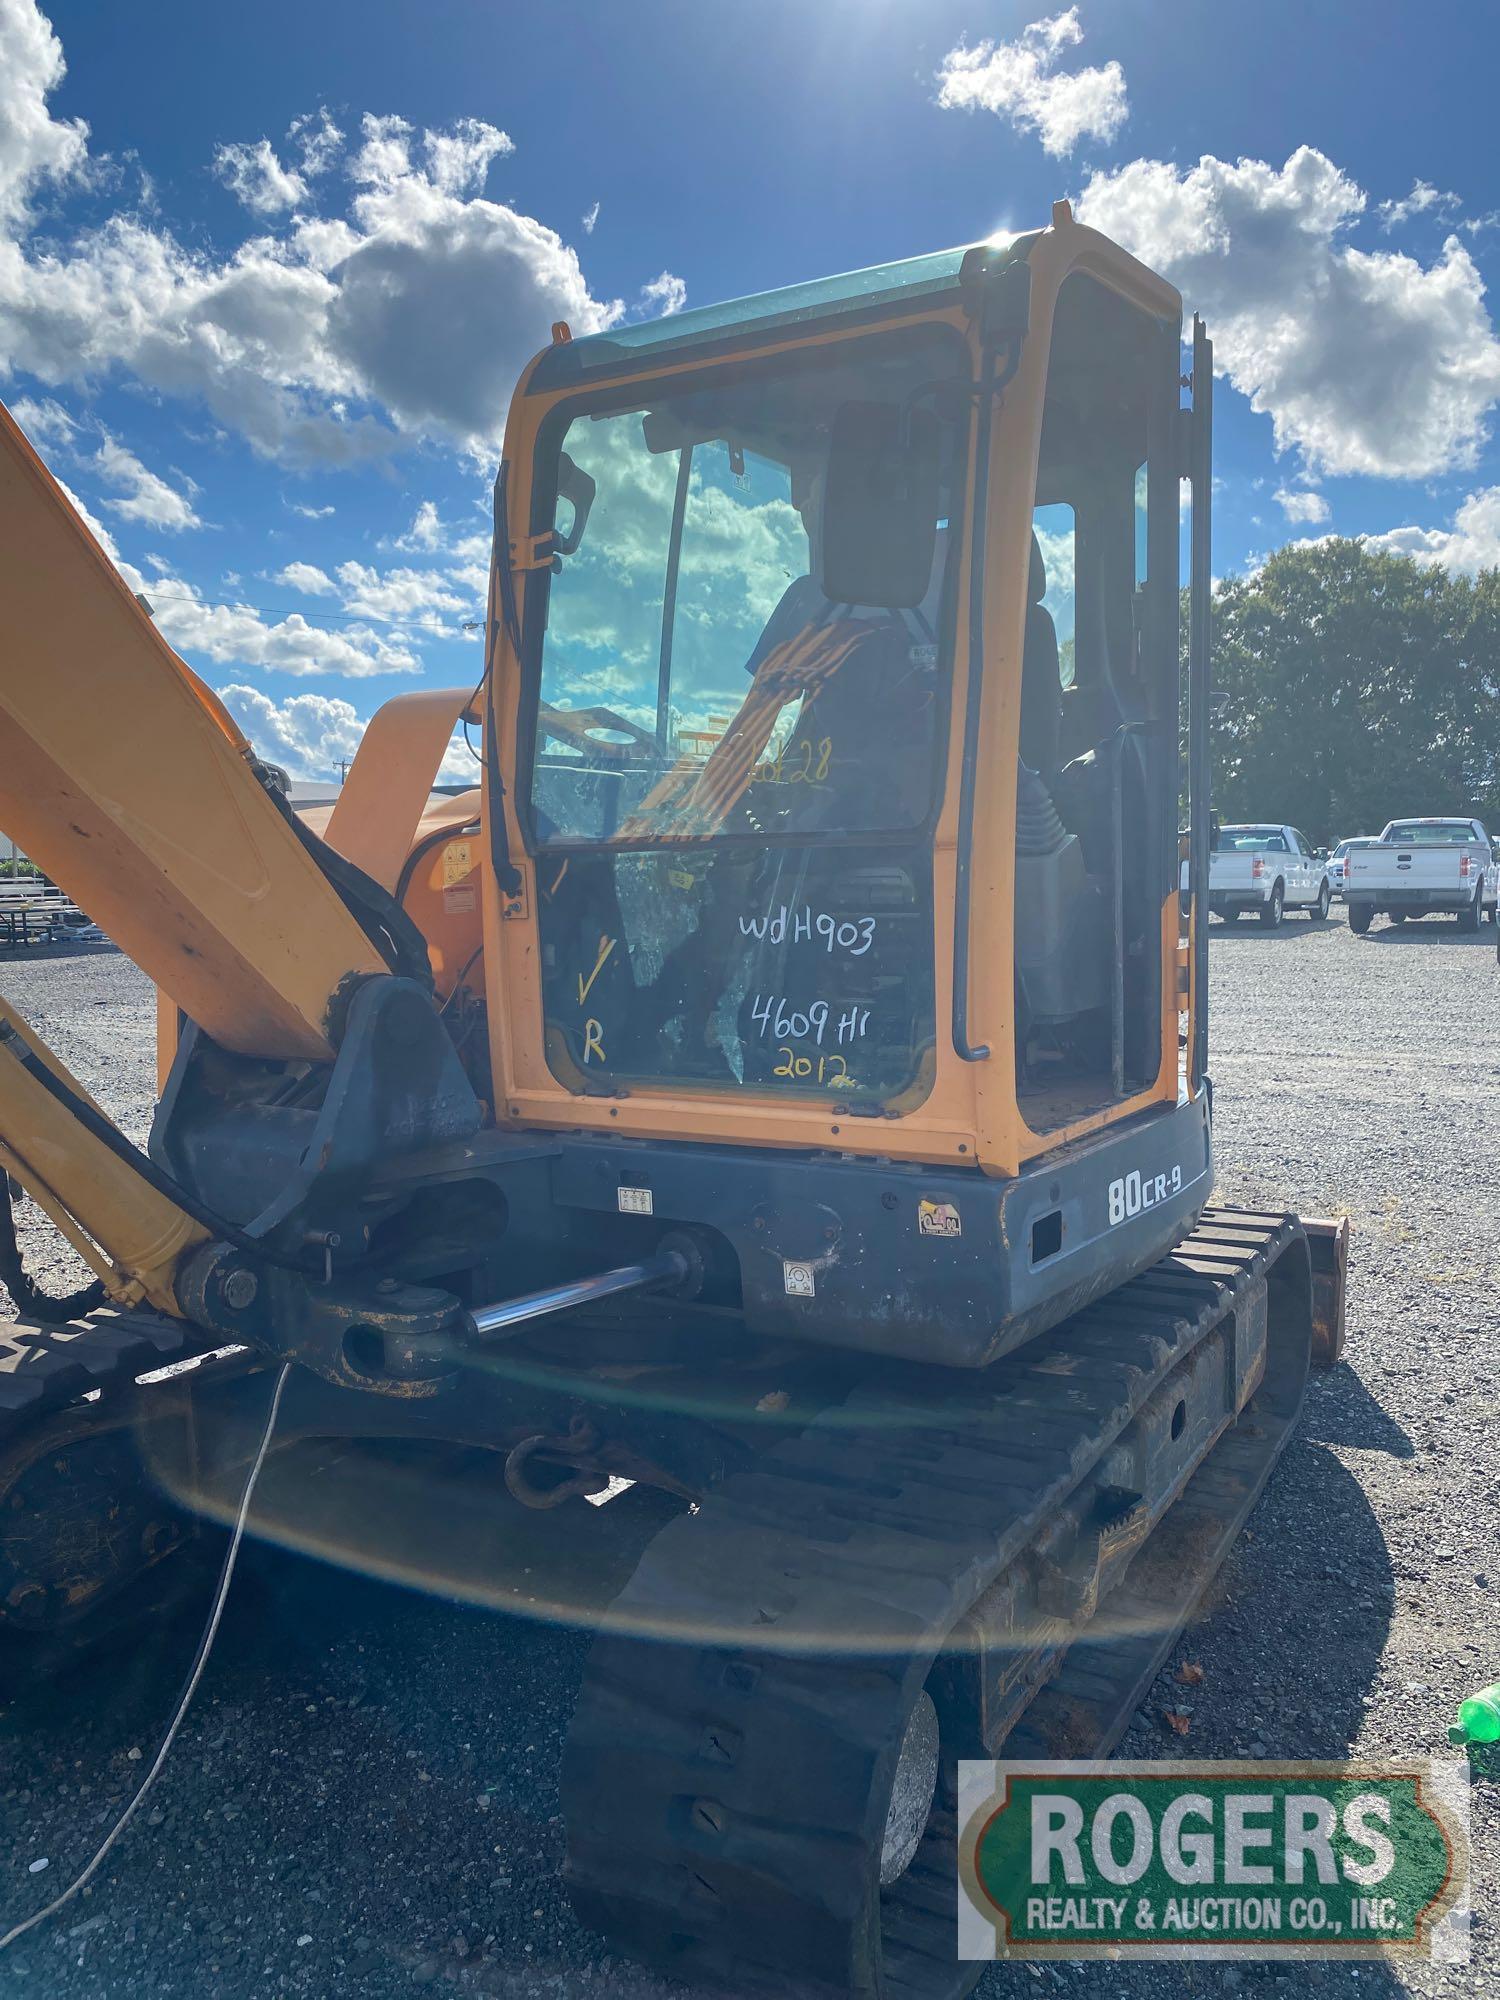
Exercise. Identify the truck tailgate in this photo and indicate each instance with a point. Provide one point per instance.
(1394, 867)
(1234, 873)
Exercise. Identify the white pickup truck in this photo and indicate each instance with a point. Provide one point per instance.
(1418, 866)
(1268, 869)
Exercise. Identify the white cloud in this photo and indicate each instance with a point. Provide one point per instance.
(226, 633)
(99, 532)
(308, 578)
(589, 217)
(255, 176)
(1057, 549)
(147, 497)
(314, 735)
(247, 337)
(234, 633)
(1423, 196)
(663, 296)
(309, 513)
(1300, 505)
(308, 735)
(404, 596)
(441, 302)
(317, 139)
(472, 571)
(385, 156)
(35, 147)
(1366, 362)
(459, 161)
(1019, 80)
(1472, 543)
(321, 339)
(46, 423)
(425, 532)
(460, 765)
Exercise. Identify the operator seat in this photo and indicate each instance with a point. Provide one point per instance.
(1041, 688)
(858, 759)
(875, 716)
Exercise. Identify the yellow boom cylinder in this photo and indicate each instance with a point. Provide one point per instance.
(122, 778)
(132, 1235)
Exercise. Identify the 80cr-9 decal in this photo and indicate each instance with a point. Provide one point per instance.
(1134, 1192)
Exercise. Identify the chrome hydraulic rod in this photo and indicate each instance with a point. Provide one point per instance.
(490, 1322)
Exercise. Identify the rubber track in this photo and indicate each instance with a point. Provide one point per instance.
(45, 1369)
(723, 1793)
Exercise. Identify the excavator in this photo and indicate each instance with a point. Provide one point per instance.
(780, 1084)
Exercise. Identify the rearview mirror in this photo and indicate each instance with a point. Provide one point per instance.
(575, 486)
(880, 505)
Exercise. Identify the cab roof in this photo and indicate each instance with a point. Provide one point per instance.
(912, 283)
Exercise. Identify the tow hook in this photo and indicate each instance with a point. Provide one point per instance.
(581, 1439)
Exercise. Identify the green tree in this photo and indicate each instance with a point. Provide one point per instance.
(1356, 687)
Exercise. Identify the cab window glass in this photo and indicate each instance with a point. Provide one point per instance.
(1054, 528)
(695, 680)
(1442, 834)
(1098, 696)
(1247, 839)
(1142, 494)
(732, 774)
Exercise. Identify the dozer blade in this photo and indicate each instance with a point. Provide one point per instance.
(1020, 1549)
(125, 780)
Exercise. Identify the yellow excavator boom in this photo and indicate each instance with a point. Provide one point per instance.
(123, 778)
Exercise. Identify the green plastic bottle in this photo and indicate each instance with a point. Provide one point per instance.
(1478, 1717)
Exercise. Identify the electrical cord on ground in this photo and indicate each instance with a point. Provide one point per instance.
(195, 1674)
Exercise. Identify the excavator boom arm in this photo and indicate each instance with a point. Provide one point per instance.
(122, 777)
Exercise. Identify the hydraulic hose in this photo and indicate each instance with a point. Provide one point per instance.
(27, 1296)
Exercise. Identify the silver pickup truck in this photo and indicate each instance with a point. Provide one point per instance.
(1419, 866)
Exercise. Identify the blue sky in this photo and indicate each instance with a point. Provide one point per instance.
(266, 275)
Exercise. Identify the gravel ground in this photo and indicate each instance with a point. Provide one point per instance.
(364, 1797)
